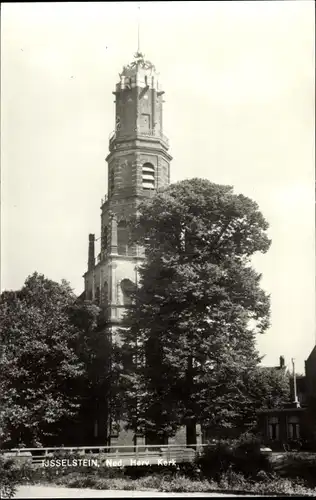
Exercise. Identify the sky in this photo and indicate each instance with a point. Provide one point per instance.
(240, 110)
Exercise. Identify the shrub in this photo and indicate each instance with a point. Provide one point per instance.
(280, 486)
(215, 460)
(227, 466)
(241, 457)
(184, 484)
(76, 480)
(298, 466)
(149, 482)
(12, 473)
(248, 443)
(230, 481)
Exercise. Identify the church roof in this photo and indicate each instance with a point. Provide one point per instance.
(312, 355)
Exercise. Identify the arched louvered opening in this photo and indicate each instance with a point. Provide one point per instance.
(148, 176)
(127, 287)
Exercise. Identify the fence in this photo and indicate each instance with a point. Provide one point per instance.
(116, 456)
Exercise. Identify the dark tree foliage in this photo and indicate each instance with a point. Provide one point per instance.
(269, 387)
(52, 363)
(191, 336)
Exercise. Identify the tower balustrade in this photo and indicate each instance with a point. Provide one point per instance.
(117, 136)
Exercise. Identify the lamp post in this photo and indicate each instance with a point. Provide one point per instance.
(136, 366)
(294, 383)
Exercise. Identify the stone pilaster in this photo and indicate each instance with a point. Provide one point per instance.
(93, 285)
(101, 286)
(91, 252)
(113, 246)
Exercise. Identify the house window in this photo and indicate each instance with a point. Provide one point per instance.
(273, 428)
(293, 425)
(148, 176)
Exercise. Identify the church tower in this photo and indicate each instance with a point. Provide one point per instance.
(138, 164)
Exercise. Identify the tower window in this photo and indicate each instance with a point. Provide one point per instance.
(112, 182)
(273, 428)
(104, 239)
(127, 287)
(105, 293)
(148, 176)
(97, 295)
(122, 238)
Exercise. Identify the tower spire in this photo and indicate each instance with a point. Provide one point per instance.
(138, 31)
(139, 56)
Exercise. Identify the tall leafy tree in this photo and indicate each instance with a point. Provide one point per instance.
(98, 385)
(42, 368)
(267, 388)
(191, 335)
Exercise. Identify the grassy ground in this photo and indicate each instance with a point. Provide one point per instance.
(233, 484)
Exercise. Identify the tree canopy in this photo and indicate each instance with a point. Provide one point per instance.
(187, 351)
(269, 387)
(46, 360)
(191, 336)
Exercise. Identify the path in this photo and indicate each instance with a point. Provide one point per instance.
(60, 492)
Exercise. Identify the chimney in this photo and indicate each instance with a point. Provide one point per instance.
(282, 362)
(91, 257)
